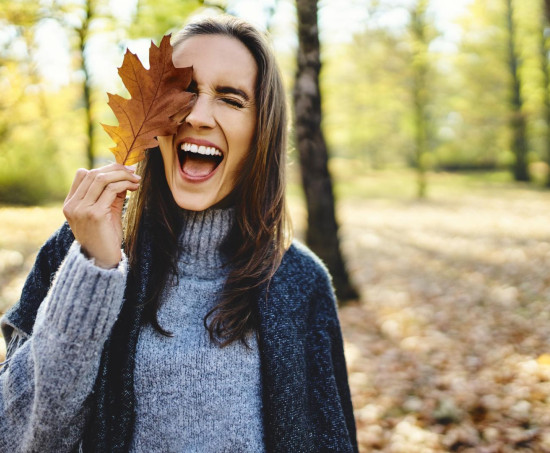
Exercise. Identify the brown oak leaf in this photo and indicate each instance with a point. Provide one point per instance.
(157, 95)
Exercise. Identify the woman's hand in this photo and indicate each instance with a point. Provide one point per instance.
(93, 209)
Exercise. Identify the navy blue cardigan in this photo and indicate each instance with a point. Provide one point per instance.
(306, 399)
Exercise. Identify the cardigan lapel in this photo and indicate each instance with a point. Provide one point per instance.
(282, 339)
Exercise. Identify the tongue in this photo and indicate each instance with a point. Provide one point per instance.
(198, 166)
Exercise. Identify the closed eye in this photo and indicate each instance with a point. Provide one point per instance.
(233, 102)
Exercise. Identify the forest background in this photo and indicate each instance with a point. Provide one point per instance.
(437, 119)
(403, 84)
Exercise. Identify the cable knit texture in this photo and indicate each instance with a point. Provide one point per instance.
(48, 378)
(191, 395)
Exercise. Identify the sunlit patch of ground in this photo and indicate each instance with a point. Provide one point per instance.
(448, 347)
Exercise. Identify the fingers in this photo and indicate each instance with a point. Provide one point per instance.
(80, 175)
(114, 190)
(102, 182)
(93, 209)
(89, 185)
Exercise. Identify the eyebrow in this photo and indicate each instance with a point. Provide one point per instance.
(232, 90)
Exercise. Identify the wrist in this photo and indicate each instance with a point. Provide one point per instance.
(99, 262)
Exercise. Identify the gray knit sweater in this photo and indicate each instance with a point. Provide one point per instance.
(46, 381)
(190, 395)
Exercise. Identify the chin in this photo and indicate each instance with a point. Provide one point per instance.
(194, 202)
(201, 202)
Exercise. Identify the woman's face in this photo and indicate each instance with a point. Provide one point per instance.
(203, 159)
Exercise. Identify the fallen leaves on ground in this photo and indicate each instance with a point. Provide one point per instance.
(449, 347)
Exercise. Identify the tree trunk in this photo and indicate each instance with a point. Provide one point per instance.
(420, 92)
(82, 33)
(518, 124)
(545, 62)
(322, 229)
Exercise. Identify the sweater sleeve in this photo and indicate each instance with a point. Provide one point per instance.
(47, 377)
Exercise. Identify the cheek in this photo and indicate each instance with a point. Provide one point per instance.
(242, 145)
(243, 133)
(236, 164)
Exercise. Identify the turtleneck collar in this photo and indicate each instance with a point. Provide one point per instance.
(202, 235)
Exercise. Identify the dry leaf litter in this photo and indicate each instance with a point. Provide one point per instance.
(449, 347)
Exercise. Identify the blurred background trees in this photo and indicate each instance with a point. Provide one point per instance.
(401, 89)
(545, 69)
(518, 122)
(397, 91)
(469, 110)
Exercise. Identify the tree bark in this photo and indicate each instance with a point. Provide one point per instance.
(322, 228)
(518, 123)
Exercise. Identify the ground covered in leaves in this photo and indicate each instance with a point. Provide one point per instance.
(448, 348)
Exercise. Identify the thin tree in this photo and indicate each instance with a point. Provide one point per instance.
(322, 228)
(518, 123)
(420, 66)
(83, 33)
(545, 62)
(88, 11)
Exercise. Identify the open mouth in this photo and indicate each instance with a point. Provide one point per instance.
(198, 161)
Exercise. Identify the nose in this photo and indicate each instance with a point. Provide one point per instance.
(201, 115)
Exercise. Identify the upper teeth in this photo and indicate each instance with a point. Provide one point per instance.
(206, 150)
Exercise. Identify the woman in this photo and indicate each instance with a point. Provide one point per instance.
(204, 330)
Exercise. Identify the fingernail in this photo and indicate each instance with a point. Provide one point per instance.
(130, 168)
(137, 176)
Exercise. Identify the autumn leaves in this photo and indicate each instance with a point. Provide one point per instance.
(158, 97)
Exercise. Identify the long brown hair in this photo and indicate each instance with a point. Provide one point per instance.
(262, 230)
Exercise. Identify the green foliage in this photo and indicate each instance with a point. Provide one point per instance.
(154, 19)
(368, 97)
(365, 98)
(30, 175)
(366, 91)
(23, 13)
(30, 172)
(43, 131)
(477, 86)
(38, 128)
